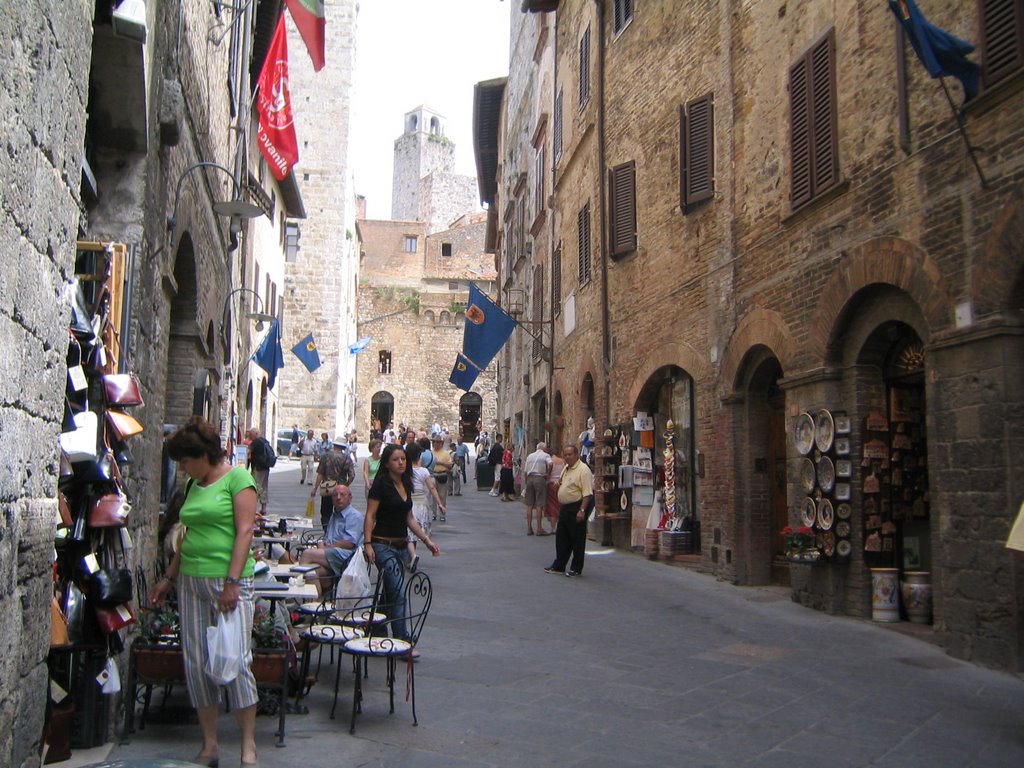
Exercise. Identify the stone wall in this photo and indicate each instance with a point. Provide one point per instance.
(44, 99)
(443, 197)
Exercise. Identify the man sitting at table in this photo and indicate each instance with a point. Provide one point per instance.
(343, 537)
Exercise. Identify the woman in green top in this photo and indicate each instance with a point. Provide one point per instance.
(371, 464)
(215, 565)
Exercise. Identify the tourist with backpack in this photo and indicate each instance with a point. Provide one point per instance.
(260, 459)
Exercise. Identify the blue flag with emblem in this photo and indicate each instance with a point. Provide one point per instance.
(942, 53)
(358, 346)
(269, 356)
(487, 328)
(464, 373)
(307, 353)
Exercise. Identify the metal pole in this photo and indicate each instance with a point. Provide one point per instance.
(963, 132)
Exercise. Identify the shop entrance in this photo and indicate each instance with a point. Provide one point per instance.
(470, 405)
(382, 412)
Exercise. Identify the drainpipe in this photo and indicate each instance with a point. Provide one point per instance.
(606, 355)
(552, 246)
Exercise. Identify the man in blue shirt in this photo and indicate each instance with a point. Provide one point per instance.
(344, 535)
(461, 452)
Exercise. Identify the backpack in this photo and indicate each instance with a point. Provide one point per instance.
(263, 456)
(427, 461)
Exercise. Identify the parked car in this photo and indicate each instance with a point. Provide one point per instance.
(284, 442)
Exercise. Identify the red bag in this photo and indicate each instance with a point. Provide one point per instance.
(122, 389)
(113, 619)
(110, 510)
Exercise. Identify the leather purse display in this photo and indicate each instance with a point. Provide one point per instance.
(123, 424)
(122, 390)
(110, 510)
(113, 619)
(110, 586)
(80, 444)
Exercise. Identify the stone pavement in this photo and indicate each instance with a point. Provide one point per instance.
(634, 664)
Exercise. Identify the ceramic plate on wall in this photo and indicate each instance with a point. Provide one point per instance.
(843, 511)
(824, 431)
(826, 474)
(809, 512)
(804, 433)
(826, 515)
(807, 475)
(843, 491)
(843, 529)
(843, 548)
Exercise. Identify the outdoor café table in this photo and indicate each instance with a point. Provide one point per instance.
(275, 538)
(276, 592)
(287, 570)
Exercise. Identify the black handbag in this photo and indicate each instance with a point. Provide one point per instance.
(111, 585)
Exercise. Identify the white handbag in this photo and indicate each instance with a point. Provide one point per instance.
(80, 444)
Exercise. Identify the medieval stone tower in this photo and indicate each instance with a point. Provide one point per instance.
(320, 282)
(424, 184)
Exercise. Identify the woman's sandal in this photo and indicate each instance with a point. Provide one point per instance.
(211, 761)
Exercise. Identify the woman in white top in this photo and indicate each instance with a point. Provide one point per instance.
(422, 483)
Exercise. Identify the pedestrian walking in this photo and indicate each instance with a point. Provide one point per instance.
(309, 451)
(335, 468)
(213, 569)
(537, 469)
(371, 464)
(494, 455)
(261, 457)
(575, 494)
(443, 463)
(424, 490)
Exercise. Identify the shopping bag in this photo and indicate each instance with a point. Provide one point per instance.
(224, 648)
(354, 585)
(309, 507)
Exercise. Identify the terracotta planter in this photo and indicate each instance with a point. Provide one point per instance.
(158, 662)
(269, 665)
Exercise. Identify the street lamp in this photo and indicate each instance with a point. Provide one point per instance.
(260, 317)
(236, 208)
(516, 308)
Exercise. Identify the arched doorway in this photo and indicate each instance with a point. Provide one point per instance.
(382, 412)
(762, 509)
(185, 345)
(470, 407)
(668, 395)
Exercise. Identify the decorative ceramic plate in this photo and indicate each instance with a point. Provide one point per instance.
(843, 529)
(809, 512)
(623, 501)
(843, 491)
(826, 474)
(828, 543)
(843, 511)
(843, 446)
(843, 548)
(842, 425)
(844, 468)
(824, 430)
(804, 433)
(826, 515)
(807, 475)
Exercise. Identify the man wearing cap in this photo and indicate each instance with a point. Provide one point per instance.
(335, 469)
(443, 463)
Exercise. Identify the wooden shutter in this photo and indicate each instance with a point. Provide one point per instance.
(556, 281)
(585, 68)
(1002, 32)
(583, 244)
(622, 195)
(697, 131)
(813, 126)
(537, 310)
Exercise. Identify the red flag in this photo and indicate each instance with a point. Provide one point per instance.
(276, 132)
(308, 16)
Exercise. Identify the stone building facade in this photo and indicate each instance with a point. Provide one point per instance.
(122, 137)
(320, 283)
(412, 299)
(750, 264)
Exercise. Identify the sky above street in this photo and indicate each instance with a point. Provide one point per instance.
(412, 52)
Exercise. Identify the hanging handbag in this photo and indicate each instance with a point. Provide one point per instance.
(58, 625)
(110, 510)
(64, 511)
(80, 444)
(113, 619)
(122, 390)
(123, 424)
(110, 584)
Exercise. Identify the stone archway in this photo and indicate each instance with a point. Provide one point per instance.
(185, 347)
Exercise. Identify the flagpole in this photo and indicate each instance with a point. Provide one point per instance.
(963, 132)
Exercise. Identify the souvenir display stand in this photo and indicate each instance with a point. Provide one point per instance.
(93, 584)
(825, 478)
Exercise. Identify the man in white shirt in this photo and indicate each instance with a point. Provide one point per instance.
(309, 449)
(538, 469)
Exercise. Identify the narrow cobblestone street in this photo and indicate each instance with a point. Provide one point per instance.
(634, 664)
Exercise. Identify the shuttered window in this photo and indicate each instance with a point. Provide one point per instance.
(1002, 33)
(583, 243)
(623, 14)
(622, 196)
(538, 189)
(537, 310)
(585, 68)
(556, 137)
(813, 127)
(556, 281)
(697, 151)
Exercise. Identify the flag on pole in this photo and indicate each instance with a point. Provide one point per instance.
(309, 17)
(356, 347)
(307, 353)
(464, 373)
(487, 328)
(276, 131)
(941, 53)
(269, 355)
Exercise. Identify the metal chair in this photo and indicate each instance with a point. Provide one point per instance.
(405, 628)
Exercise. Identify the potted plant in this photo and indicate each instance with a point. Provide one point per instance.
(269, 649)
(157, 650)
(799, 544)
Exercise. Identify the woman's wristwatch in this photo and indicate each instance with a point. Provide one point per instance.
(229, 580)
